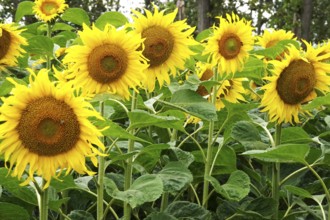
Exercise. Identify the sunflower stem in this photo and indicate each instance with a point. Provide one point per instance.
(324, 186)
(276, 172)
(49, 34)
(208, 161)
(43, 202)
(129, 167)
(100, 178)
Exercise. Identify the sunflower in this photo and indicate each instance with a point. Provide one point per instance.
(231, 90)
(108, 61)
(166, 44)
(45, 130)
(230, 43)
(294, 81)
(204, 73)
(272, 37)
(10, 45)
(47, 10)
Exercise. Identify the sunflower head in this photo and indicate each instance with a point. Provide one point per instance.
(47, 10)
(230, 43)
(271, 37)
(11, 43)
(45, 129)
(166, 44)
(109, 62)
(204, 73)
(231, 90)
(293, 83)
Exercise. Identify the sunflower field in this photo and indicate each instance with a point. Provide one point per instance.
(141, 117)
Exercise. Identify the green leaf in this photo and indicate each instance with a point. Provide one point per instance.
(160, 216)
(6, 87)
(10, 211)
(274, 51)
(111, 129)
(194, 104)
(12, 185)
(63, 183)
(233, 113)
(140, 119)
(245, 131)
(80, 215)
(187, 210)
(225, 162)
(55, 205)
(317, 102)
(149, 155)
(40, 45)
(24, 8)
(236, 188)
(259, 208)
(76, 16)
(253, 69)
(175, 176)
(82, 182)
(286, 153)
(58, 26)
(203, 35)
(146, 188)
(298, 191)
(114, 18)
(295, 135)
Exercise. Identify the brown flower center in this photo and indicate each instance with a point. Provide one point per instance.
(296, 82)
(49, 8)
(5, 40)
(48, 127)
(229, 46)
(107, 63)
(158, 43)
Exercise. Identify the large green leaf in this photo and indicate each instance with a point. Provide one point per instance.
(10, 211)
(245, 131)
(295, 135)
(224, 163)
(111, 129)
(140, 118)
(24, 8)
(149, 156)
(298, 191)
(63, 183)
(317, 102)
(160, 216)
(253, 69)
(40, 45)
(194, 104)
(12, 185)
(175, 176)
(286, 153)
(5, 87)
(76, 16)
(187, 210)
(146, 188)
(236, 188)
(114, 18)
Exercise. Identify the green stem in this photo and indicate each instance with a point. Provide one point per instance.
(129, 167)
(209, 155)
(100, 178)
(43, 202)
(276, 172)
(49, 35)
(325, 188)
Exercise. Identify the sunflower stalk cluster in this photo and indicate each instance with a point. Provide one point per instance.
(141, 117)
